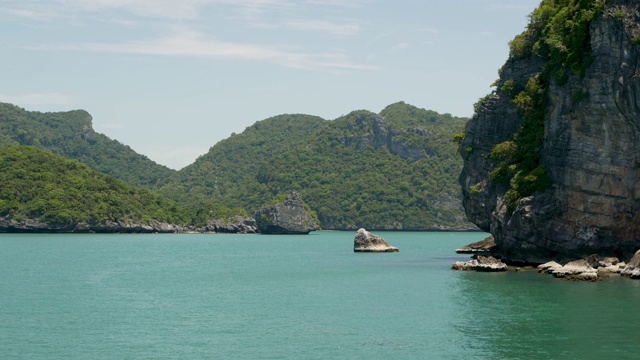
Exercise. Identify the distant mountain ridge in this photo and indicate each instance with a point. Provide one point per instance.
(71, 135)
(396, 170)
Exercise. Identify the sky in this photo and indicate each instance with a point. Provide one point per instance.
(171, 78)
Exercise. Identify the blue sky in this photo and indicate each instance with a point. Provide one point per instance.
(171, 78)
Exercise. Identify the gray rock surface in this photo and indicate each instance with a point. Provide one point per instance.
(481, 263)
(632, 269)
(577, 270)
(590, 148)
(549, 267)
(368, 242)
(487, 245)
(287, 217)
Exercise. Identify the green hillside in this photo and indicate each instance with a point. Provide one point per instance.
(393, 170)
(71, 135)
(37, 184)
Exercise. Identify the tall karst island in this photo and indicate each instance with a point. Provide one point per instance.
(552, 155)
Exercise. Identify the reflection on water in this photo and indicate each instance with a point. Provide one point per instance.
(533, 316)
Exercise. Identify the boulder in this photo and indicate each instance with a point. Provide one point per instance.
(549, 267)
(610, 265)
(287, 217)
(487, 245)
(632, 269)
(368, 242)
(579, 270)
(481, 263)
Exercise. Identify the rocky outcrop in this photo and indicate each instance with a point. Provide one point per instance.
(579, 270)
(487, 245)
(481, 263)
(549, 267)
(591, 268)
(368, 242)
(590, 148)
(287, 217)
(632, 270)
(371, 130)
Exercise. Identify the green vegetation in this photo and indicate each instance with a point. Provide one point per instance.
(70, 134)
(558, 33)
(37, 184)
(395, 169)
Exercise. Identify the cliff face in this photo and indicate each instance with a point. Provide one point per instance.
(591, 149)
(373, 130)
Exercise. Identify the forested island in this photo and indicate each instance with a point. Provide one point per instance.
(395, 170)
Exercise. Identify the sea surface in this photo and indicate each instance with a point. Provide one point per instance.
(191, 296)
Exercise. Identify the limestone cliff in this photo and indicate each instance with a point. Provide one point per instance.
(590, 148)
(286, 217)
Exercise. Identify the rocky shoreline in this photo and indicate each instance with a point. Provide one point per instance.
(486, 258)
(234, 225)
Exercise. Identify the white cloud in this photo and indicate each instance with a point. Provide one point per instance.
(325, 26)
(39, 99)
(189, 43)
(168, 9)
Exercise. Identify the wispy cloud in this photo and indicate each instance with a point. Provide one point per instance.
(325, 26)
(41, 14)
(430, 30)
(39, 99)
(189, 43)
(168, 9)
(399, 47)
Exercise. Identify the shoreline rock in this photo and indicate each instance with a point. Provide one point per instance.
(488, 245)
(236, 225)
(579, 270)
(591, 268)
(482, 264)
(632, 269)
(368, 242)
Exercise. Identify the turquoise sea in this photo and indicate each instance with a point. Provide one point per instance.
(294, 297)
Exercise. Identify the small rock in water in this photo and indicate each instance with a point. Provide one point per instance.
(368, 242)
